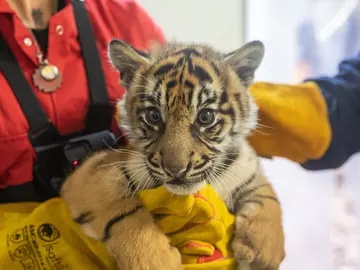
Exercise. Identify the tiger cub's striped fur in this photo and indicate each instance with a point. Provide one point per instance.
(187, 112)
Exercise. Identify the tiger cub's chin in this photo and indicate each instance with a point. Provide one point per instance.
(185, 189)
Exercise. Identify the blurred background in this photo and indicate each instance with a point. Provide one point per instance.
(303, 38)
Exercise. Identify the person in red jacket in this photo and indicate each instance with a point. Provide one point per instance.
(44, 38)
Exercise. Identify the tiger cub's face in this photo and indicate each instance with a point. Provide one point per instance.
(188, 109)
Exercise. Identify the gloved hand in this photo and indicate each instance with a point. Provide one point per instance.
(199, 225)
(293, 121)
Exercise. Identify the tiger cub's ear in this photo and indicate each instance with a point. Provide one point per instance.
(126, 59)
(246, 60)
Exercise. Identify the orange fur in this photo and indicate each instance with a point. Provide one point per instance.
(259, 237)
(135, 242)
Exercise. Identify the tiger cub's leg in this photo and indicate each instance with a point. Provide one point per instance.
(258, 242)
(97, 197)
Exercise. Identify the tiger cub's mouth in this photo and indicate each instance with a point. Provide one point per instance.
(177, 181)
(182, 187)
(182, 181)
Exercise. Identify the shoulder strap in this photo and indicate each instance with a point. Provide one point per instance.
(100, 112)
(42, 131)
(99, 115)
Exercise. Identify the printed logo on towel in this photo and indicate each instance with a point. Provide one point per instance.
(17, 236)
(22, 252)
(48, 232)
(35, 248)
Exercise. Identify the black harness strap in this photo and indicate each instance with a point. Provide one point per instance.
(42, 131)
(100, 112)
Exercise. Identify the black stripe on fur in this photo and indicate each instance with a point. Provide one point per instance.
(113, 221)
(84, 218)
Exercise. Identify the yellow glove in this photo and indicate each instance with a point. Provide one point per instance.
(199, 225)
(43, 236)
(293, 121)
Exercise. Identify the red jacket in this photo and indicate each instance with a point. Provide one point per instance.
(67, 106)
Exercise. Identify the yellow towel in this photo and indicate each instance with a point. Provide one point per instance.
(33, 234)
(43, 236)
(293, 121)
(199, 225)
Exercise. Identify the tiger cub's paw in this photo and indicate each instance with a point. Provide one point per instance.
(259, 237)
(158, 255)
(170, 259)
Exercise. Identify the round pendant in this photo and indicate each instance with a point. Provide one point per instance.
(47, 78)
(49, 72)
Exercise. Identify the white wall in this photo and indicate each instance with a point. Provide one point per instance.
(274, 22)
(218, 23)
(307, 198)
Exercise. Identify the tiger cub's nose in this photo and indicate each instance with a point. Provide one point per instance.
(175, 170)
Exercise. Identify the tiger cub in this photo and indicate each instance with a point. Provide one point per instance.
(187, 112)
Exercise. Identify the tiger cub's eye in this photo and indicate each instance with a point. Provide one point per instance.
(153, 116)
(206, 117)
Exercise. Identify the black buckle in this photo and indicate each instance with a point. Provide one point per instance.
(55, 161)
(75, 154)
